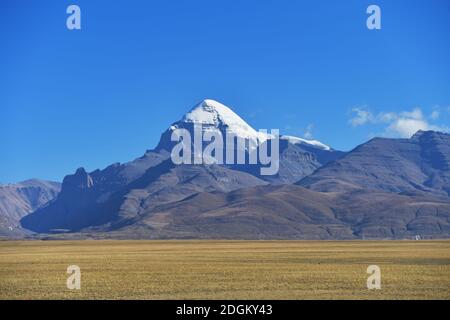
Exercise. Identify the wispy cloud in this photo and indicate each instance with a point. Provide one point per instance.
(397, 124)
(362, 117)
(308, 132)
(435, 115)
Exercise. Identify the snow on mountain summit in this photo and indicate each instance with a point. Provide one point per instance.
(212, 113)
(313, 143)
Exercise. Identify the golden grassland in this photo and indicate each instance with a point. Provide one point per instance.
(224, 269)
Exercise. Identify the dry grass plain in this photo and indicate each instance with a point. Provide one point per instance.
(224, 269)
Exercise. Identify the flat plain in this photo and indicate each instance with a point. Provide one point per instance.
(203, 269)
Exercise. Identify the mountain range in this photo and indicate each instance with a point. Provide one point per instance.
(384, 188)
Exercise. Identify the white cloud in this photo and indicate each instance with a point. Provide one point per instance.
(362, 117)
(406, 127)
(402, 124)
(308, 133)
(435, 115)
(386, 116)
(415, 114)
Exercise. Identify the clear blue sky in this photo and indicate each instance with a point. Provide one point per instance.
(105, 93)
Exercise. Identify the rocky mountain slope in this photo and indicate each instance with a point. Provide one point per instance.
(293, 212)
(420, 164)
(20, 199)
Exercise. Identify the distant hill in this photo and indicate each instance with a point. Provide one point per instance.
(420, 164)
(20, 199)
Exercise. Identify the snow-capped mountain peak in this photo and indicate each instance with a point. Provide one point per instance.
(312, 143)
(211, 113)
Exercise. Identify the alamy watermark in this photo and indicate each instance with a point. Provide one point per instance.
(374, 280)
(73, 22)
(210, 146)
(373, 22)
(74, 280)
